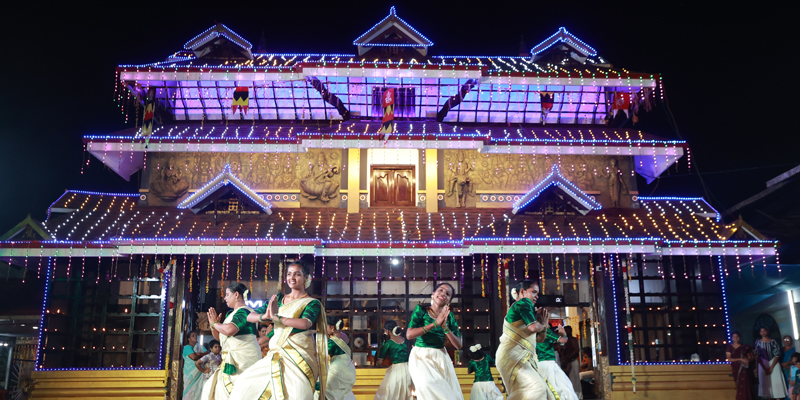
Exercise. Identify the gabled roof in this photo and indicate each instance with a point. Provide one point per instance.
(563, 36)
(216, 31)
(223, 179)
(28, 229)
(555, 180)
(371, 37)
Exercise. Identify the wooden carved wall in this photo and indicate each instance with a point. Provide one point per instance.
(313, 177)
(467, 172)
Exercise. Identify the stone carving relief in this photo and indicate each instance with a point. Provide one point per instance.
(322, 180)
(468, 172)
(315, 175)
(170, 183)
(459, 182)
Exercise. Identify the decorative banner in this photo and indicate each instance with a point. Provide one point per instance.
(241, 98)
(622, 101)
(149, 109)
(546, 98)
(387, 101)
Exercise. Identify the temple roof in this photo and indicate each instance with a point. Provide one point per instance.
(288, 62)
(295, 131)
(379, 34)
(103, 216)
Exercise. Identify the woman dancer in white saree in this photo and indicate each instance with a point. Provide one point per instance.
(429, 364)
(240, 349)
(341, 371)
(516, 358)
(290, 369)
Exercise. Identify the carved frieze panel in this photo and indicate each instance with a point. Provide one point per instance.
(468, 174)
(313, 177)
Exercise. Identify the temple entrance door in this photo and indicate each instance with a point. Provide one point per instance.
(392, 185)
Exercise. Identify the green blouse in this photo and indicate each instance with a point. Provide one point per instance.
(396, 352)
(522, 310)
(334, 349)
(545, 349)
(240, 320)
(482, 369)
(435, 337)
(311, 312)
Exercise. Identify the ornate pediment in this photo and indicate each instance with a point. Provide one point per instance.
(219, 189)
(555, 195)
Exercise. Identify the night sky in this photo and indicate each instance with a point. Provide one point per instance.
(727, 75)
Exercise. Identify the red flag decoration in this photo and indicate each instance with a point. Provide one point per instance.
(149, 109)
(388, 112)
(546, 98)
(241, 98)
(622, 101)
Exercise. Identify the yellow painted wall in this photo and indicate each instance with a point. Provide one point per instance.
(670, 382)
(84, 385)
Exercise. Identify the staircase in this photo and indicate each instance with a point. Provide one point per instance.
(369, 379)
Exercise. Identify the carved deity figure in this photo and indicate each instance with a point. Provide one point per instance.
(617, 185)
(459, 182)
(170, 185)
(204, 173)
(322, 181)
(285, 177)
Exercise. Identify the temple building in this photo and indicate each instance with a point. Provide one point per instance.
(390, 169)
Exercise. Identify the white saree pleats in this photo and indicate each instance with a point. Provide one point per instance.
(295, 364)
(517, 363)
(396, 385)
(554, 375)
(485, 391)
(433, 374)
(341, 378)
(240, 351)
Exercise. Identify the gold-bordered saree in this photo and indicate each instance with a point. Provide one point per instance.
(518, 364)
(292, 366)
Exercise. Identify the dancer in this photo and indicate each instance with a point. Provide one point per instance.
(291, 368)
(239, 346)
(429, 364)
(516, 356)
(192, 378)
(548, 367)
(770, 380)
(397, 384)
(481, 364)
(341, 372)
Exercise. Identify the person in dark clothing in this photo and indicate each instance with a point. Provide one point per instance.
(570, 361)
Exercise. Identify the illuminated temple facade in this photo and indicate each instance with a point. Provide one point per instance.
(496, 168)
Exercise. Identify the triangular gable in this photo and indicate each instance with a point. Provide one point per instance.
(563, 36)
(224, 179)
(585, 202)
(374, 36)
(741, 230)
(28, 229)
(219, 30)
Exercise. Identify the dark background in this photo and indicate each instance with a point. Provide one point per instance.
(728, 75)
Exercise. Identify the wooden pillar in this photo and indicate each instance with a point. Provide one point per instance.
(431, 181)
(353, 179)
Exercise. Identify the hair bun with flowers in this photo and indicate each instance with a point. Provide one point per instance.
(339, 325)
(308, 282)
(475, 348)
(514, 294)
(396, 331)
(246, 295)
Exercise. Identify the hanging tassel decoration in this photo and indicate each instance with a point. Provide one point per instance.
(574, 282)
